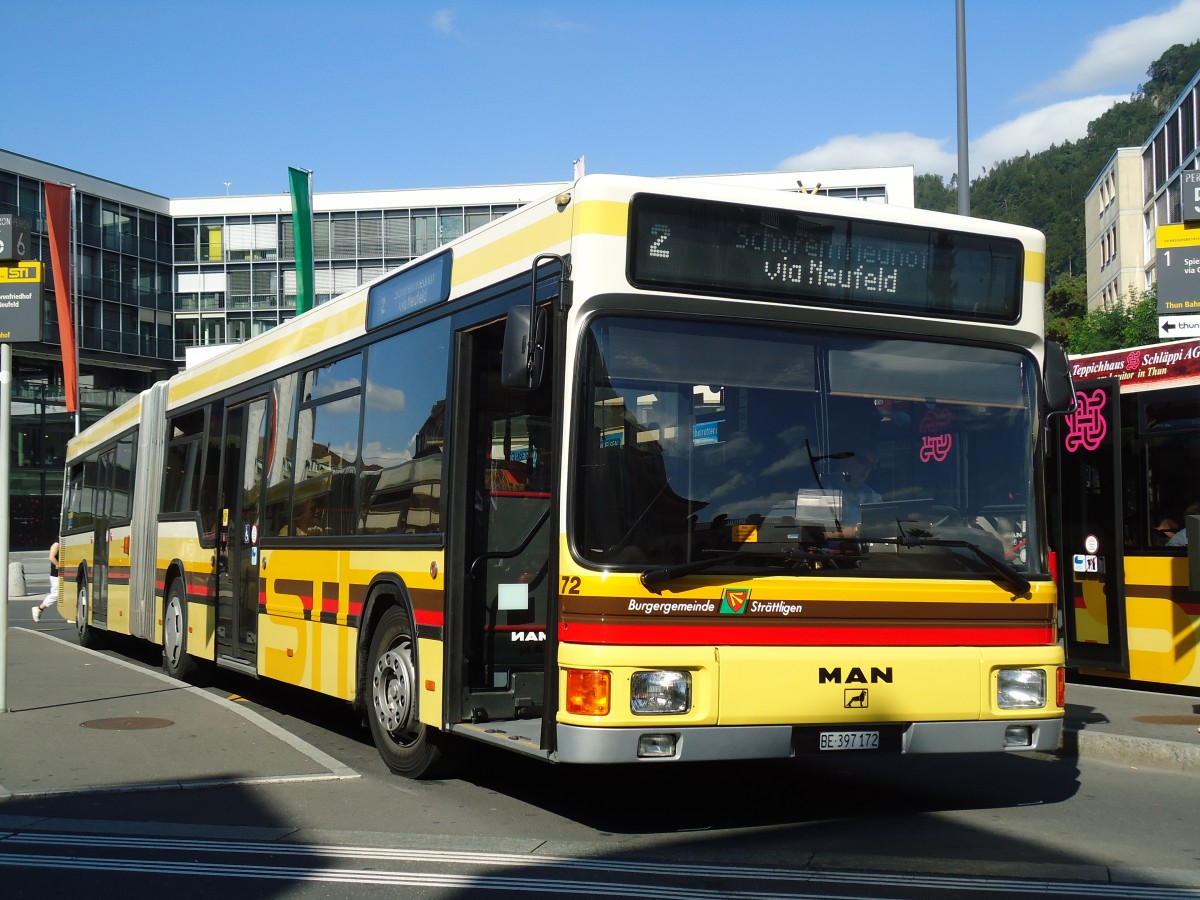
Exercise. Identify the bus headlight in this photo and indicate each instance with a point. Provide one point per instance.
(660, 693)
(1021, 688)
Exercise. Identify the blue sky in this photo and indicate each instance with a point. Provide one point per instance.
(180, 98)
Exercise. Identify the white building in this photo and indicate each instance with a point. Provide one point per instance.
(156, 278)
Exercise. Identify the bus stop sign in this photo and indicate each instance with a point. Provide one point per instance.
(20, 302)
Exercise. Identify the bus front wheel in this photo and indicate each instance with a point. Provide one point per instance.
(408, 746)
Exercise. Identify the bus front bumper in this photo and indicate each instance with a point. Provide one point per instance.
(580, 744)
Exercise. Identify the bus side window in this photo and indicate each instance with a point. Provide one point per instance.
(210, 470)
(1172, 461)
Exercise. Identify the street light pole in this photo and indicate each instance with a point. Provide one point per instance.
(964, 169)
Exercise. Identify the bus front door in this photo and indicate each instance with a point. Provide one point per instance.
(244, 455)
(509, 541)
(1091, 540)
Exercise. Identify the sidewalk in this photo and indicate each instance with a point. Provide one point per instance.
(82, 721)
(1138, 727)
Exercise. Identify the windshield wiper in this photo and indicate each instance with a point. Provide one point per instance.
(651, 578)
(1006, 575)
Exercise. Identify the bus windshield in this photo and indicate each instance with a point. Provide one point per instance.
(808, 450)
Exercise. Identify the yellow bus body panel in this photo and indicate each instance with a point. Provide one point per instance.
(304, 589)
(118, 587)
(783, 686)
(744, 684)
(1163, 637)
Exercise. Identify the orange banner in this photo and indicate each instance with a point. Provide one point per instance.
(58, 225)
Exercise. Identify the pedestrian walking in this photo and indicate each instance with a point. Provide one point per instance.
(51, 599)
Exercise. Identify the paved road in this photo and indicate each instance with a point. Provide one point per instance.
(277, 791)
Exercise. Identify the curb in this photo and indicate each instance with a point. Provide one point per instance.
(1131, 750)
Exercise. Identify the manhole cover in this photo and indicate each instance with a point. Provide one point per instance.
(1168, 720)
(127, 723)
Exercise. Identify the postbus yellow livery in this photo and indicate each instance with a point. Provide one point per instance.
(645, 471)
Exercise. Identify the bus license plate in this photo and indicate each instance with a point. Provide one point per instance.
(849, 740)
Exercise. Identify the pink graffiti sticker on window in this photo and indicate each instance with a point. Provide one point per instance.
(1086, 427)
(935, 447)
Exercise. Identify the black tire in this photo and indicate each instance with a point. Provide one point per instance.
(89, 636)
(177, 662)
(408, 747)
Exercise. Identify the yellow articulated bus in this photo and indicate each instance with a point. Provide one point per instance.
(1128, 515)
(645, 471)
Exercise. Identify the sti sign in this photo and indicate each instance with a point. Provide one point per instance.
(20, 302)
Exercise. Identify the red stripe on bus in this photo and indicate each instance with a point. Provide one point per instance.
(429, 617)
(887, 636)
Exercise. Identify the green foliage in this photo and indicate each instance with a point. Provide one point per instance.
(933, 193)
(1143, 319)
(1169, 75)
(1130, 323)
(1066, 304)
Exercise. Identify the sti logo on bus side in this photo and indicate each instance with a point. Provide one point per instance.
(855, 675)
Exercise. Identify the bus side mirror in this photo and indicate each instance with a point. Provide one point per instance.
(524, 346)
(1060, 388)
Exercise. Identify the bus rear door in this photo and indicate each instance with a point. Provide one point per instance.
(244, 455)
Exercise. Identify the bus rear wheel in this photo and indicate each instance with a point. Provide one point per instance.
(408, 746)
(176, 661)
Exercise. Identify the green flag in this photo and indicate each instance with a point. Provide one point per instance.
(300, 184)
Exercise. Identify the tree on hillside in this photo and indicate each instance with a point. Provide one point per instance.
(1169, 74)
(932, 193)
(1066, 304)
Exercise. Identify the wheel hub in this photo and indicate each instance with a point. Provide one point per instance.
(392, 690)
(173, 631)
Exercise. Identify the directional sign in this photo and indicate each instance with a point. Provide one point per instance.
(1177, 268)
(1187, 326)
(21, 302)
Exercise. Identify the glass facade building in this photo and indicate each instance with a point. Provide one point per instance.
(156, 278)
(235, 272)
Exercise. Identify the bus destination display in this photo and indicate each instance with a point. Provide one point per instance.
(722, 248)
(409, 291)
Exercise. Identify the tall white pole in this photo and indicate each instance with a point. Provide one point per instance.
(964, 168)
(5, 411)
(76, 306)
